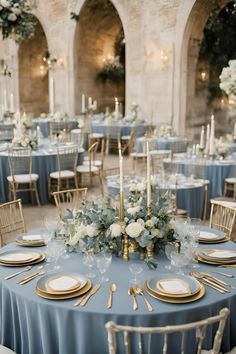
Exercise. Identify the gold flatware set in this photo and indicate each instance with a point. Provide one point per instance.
(212, 282)
(112, 289)
(84, 299)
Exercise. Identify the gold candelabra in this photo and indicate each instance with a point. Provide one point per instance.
(126, 238)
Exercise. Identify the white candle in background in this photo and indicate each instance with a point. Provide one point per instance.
(207, 138)
(212, 137)
(107, 111)
(194, 150)
(5, 105)
(235, 130)
(148, 177)
(83, 108)
(202, 137)
(90, 102)
(12, 108)
(51, 96)
(197, 149)
(116, 108)
(95, 105)
(121, 175)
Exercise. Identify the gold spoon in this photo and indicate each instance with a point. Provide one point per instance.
(131, 292)
(138, 290)
(112, 289)
(17, 273)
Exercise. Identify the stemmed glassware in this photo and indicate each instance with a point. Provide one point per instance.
(55, 250)
(103, 261)
(89, 261)
(135, 269)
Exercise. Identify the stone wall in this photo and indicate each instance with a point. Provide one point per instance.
(157, 35)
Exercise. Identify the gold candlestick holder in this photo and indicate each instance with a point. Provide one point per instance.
(122, 212)
(126, 238)
(149, 210)
(150, 250)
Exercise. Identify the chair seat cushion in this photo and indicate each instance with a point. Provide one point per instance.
(63, 174)
(230, 180)
(5, 350)
(96, 135)
(138, 154)
(24, 178)
(126, 137)
(85, 169)
(97, 163)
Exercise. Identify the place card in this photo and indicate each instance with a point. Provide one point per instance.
(173, 286)
(62, 283)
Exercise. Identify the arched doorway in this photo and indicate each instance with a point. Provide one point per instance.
(99, 55)
(33, 77)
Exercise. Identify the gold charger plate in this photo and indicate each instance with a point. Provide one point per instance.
(203, 260)
(225, 239)
(82, 291)
(24, 264)
(77, 287)
(30, 244)
(174, 300)
(34, 257)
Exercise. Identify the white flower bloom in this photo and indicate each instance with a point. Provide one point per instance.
(141, 222)
(12, 17)
(5, 3)
(134, 210)
(134, 229)
(157, 233)
(149, 223)
(116, 230)
(16, 11)
(133, 187)
(91, 231)
(141, 187)
(81, 231)
(74, 240)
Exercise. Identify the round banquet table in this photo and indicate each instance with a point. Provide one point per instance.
(174, 143)
(123, 128)
(190, 196)
(44, 161)
(44, 124)
(33, 325)
(213, 170)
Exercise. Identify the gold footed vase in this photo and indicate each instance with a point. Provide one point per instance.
(150, 251)
(126, 248)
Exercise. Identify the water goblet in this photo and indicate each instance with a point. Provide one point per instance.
(179, 259)
(89, 261)
(103, 261)
(135, 268)
(55, 250)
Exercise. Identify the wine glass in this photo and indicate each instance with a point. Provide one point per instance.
(51, 225)
(103, 261)
(170, 247)
(180, 258)
(89, 261)
(135, 268)
(55, 250)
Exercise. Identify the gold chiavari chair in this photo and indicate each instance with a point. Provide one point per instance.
(65, 176)
(57, 127)
(11, 219)
(113, 135)
(142, 337)
(230, 186)
(20, 163)
(98, 162)
(222, 216)
(69, 199)
(89, 169)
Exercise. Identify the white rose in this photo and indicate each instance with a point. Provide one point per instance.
(91, 231)
(141, 222)
(12, 17)
(134, 229)
(149, 223)
(5, 3)
(16, 11)
(157, 233)
(134, 210)
(116, 230)
(133, 187)
(81, 231)
(141, 187)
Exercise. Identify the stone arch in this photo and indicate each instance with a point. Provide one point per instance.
(72, 41)
(191, 20)
(33, 82)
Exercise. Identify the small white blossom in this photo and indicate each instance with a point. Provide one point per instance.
(116, 230)
(134, 210)
(12, 17)
(5, 3)
(134, 229)
(91, 231)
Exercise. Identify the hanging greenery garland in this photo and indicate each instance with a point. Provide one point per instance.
(16, 21)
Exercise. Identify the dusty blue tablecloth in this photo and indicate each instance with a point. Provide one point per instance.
(44, 125)
(43, 163)
(33, 325)
(176, 144)
(123, 128)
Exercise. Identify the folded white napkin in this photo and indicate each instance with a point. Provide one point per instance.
(32, 238)
(222, 254)
(63, 283)
(173, 286)
(16, 257)
(207, 235)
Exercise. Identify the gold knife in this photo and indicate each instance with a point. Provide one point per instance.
(78, 302)
(33, 277)
(92, 292)
(28, 277)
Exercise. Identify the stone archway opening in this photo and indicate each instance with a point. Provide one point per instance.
(33, 76)
(99, 55)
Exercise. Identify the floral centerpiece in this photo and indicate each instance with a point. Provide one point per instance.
(228, 79)
(165, 131)
(16, 20)
(20, 138)
(133, 117)
(97, 226)
(222, 146)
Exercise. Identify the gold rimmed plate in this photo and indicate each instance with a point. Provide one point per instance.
(80, 292)
(42, 257)
(30, 244)
(18, 257)
(174, 300)
(189, 285)
(205, 241)
(45, 284)
(213, 262)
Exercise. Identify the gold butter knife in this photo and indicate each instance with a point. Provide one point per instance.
(92, 292)
(31, 278)
(26, 269)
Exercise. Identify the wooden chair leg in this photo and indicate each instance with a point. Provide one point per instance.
(49, 187)
(36, 193)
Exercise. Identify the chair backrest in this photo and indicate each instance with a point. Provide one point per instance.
(20, 161)
(132, 334)
(222, 216)
(77, 137)
(56, 127)
(114, 171)
(11, 218)
(67, 157)
(69, 199)
(92, 154)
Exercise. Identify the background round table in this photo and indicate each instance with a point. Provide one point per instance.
(44, 161)
(112, 129)
(213, 170)
(174, 143)
(34, 325)
(44, 124)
